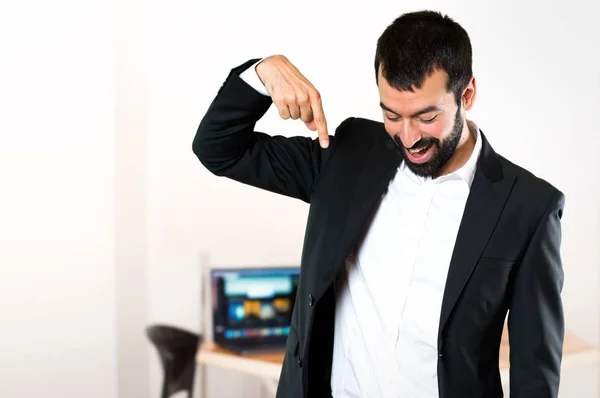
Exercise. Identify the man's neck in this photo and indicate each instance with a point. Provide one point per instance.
(463, 150)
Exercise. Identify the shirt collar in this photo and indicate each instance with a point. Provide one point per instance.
(467, 171)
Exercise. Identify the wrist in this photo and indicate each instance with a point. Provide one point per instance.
(261, 69)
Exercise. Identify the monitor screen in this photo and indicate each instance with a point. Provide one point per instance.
(253, 303)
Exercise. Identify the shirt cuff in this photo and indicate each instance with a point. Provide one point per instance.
(251, 78)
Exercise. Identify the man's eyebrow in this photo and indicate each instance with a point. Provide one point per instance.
(427, 109)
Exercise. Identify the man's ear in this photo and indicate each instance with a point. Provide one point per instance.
(469, 94)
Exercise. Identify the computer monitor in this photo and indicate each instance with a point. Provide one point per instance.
(252, 307)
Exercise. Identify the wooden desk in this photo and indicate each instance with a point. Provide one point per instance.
(265, 366)
(268, 366)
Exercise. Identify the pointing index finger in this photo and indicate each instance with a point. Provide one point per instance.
(320, 122)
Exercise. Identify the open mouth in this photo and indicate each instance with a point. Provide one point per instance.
(420, 155)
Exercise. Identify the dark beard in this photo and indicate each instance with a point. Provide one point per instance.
(442, 155)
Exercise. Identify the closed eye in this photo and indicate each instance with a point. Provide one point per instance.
(395, 118)
(428, 120)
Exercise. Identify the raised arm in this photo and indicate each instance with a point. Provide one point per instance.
(227, 144)
(536, 320)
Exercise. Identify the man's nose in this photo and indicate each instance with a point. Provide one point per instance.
(408, 135)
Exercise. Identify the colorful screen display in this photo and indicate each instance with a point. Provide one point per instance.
(253, 303)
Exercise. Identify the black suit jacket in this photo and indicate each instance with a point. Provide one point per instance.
(506, 257)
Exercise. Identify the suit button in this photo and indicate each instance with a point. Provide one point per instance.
(299, 362)
(311, 300)
(440, 355)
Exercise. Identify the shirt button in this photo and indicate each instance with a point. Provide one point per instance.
(311, 300)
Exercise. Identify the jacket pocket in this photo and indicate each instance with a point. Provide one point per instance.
(495, 262)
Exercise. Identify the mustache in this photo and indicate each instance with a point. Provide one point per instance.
(422, 143)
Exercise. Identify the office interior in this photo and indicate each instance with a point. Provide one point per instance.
(109, 225)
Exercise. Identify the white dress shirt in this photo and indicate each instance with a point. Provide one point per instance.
(389, 295)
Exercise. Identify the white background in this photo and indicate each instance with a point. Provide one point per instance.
(104, 209)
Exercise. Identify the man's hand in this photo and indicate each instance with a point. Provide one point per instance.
(293, 94)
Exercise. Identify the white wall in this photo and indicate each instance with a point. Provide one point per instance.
(57, 276)
(72, 214)
(130, 182)
(537, 100)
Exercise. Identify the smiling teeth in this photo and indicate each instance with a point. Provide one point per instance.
(417, 150)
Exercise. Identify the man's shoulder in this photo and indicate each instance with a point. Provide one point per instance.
(358, 129)
(528, 186)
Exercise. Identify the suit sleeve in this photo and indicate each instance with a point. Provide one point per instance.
(228, 145)
(536, 320)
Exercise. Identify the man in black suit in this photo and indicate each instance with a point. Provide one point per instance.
(420, 237)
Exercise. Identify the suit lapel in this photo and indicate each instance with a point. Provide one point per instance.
(488, 195)
(379, 168)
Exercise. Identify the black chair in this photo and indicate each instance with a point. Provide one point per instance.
(177, 352)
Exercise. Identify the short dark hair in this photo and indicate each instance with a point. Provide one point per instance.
(416, 44)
